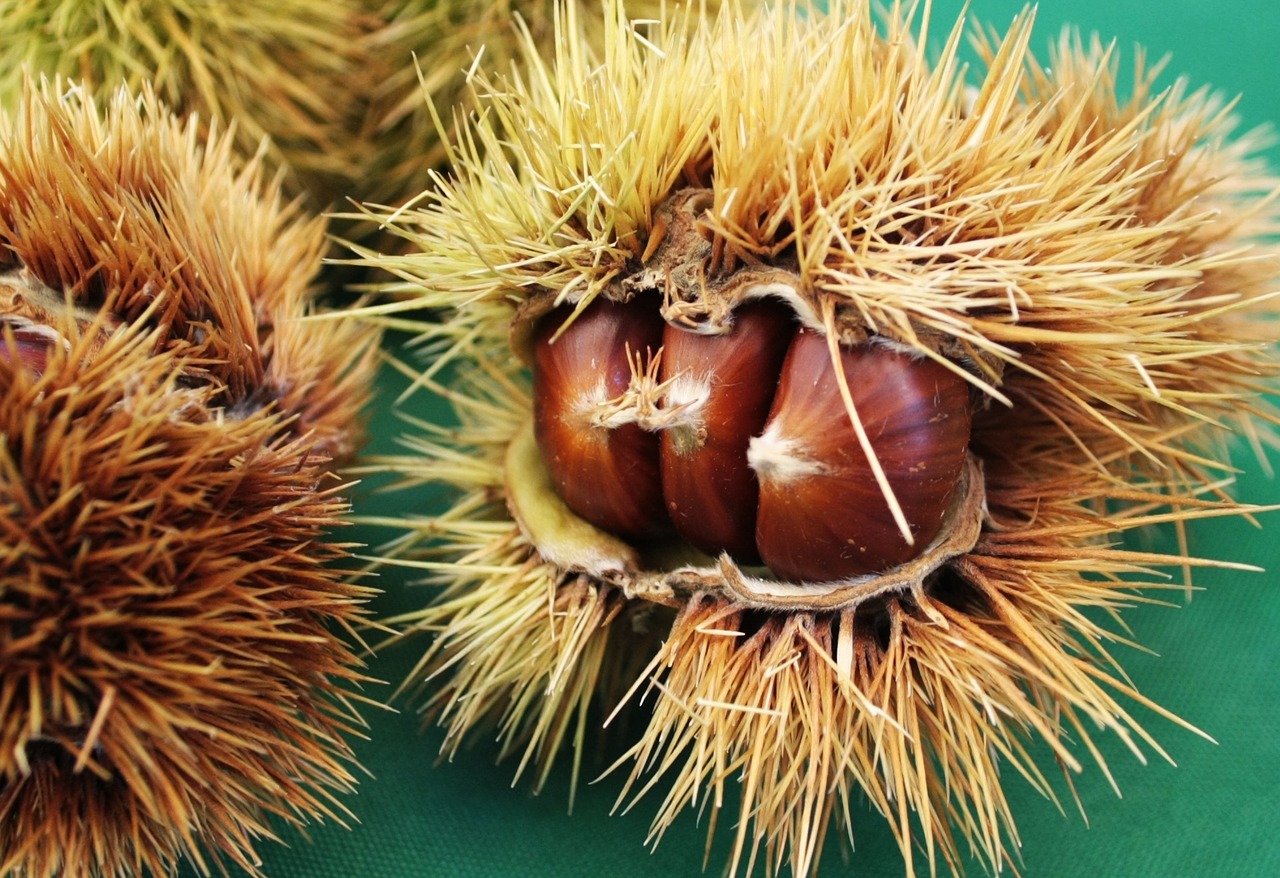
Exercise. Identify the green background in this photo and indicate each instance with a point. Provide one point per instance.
(1216, 815)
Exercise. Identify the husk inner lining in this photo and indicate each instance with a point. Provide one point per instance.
(671, 573)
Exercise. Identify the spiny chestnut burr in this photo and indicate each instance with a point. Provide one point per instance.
(1092, 253)
(766, 453)
(176, 682)
(290, 75)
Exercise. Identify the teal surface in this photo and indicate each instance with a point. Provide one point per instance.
(1216, 661)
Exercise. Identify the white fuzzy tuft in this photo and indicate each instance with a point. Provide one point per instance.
(777, 458)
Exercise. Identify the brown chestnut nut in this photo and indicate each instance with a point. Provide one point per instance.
(602, 464)
(822, 514)
(744, 441)
(720, 390)
(28, 347)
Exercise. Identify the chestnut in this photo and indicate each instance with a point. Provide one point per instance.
(742, 441)
(723, 384)
(822, 513)
(602, 465)
(28, 347)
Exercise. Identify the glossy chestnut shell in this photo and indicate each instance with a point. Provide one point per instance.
(606, 472)
(744, 441)
(822, 513)
(728, 380)
(28, 348)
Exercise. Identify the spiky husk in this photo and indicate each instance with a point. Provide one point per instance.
(175, 675)
(1095, 263)
(341, 92)
(291, 71)
(427, 50)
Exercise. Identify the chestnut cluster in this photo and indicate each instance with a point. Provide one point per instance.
(748, 441)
